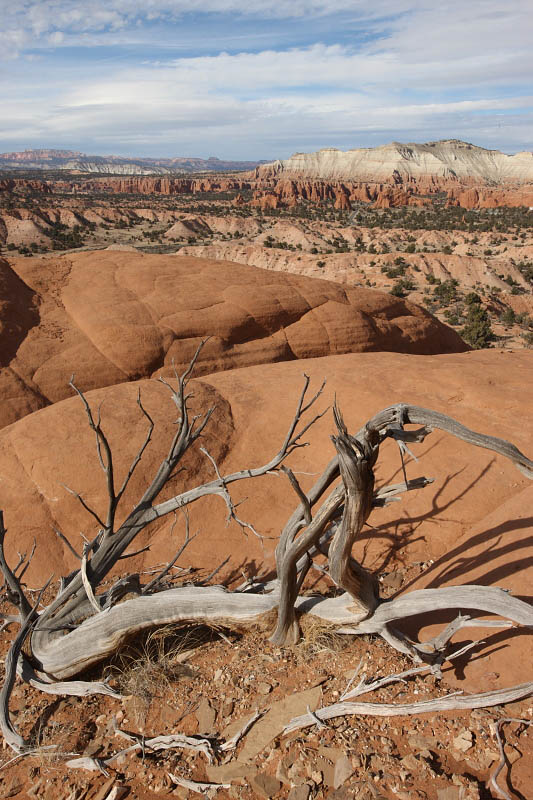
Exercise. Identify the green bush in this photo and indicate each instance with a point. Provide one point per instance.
(477, 330)
(402, 287)
(446, 292)
(508, 317)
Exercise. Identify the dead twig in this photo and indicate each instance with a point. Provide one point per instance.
(492, 781)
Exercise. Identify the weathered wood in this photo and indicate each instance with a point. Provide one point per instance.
(451, 702)
(67, 637)
(357, 474)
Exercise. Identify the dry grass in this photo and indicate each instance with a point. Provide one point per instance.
(149, 665)
(320, 638)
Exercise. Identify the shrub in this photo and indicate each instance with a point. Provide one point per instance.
(508, 317)
(446, 292)
(477, 330)
(402, 287)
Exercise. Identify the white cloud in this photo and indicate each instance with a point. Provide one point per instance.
(428, 70)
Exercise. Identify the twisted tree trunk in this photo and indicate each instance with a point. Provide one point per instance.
(82, 626)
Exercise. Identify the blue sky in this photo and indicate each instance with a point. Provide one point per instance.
(245, 79)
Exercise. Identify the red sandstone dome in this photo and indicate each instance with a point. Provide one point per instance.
(111, 317)
(473, 521)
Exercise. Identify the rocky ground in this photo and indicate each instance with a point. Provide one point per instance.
(207, 684)
(434, 255)
(471, 526)
(119, 318)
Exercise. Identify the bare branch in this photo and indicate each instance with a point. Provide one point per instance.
(492, 782)
(68, 688)
(451, 702)
(68, 544)
(358, 479)
(80, 499)
(306, 505)
(9, 732)
(385, 494)
(86, 582)
(232, 743)
(28, 561)
(141, 450)
(102, 444)
(170, 742)
(166, 569)
(16, 595)
(215, 571)
(197, 786)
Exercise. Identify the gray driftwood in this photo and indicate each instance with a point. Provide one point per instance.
(84, 625)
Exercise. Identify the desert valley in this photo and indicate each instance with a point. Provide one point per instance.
(401, 276)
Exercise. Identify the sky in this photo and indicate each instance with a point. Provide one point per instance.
(262, 79)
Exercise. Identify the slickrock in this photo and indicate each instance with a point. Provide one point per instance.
(473, 522)
(111, 316)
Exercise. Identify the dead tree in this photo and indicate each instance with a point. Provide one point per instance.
(82, 626)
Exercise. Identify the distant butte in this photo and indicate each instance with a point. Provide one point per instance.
(449, 158)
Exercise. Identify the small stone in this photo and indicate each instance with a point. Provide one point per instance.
(218, 674)
(317, 777)
(512, 753)
(393, 580)
(227, 708)
(266, 785)
(463, 741)
(34, 790)
(487, 757)
(92, 748)
(13, 788)
(410, 762)
(281, 772)
(264, 688)
(332, 753)
(205, 715)
(301, 792)
(325, 767)
(417, 742)
(449, 793)
(294, 771)
(117, 792)
(343, 771)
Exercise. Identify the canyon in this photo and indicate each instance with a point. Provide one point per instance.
(401, 274)
(389, 176)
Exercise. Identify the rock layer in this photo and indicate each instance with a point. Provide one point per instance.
(449, 159)
(114, 316)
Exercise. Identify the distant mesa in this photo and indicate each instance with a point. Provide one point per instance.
(448, 158)
(76, 161)
(390, 176)
(111, 317)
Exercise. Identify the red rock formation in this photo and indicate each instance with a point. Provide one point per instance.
(20, 185)
(490, 198)
(389, 197)
(473, 521)
(401, 190)
(111, 317)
